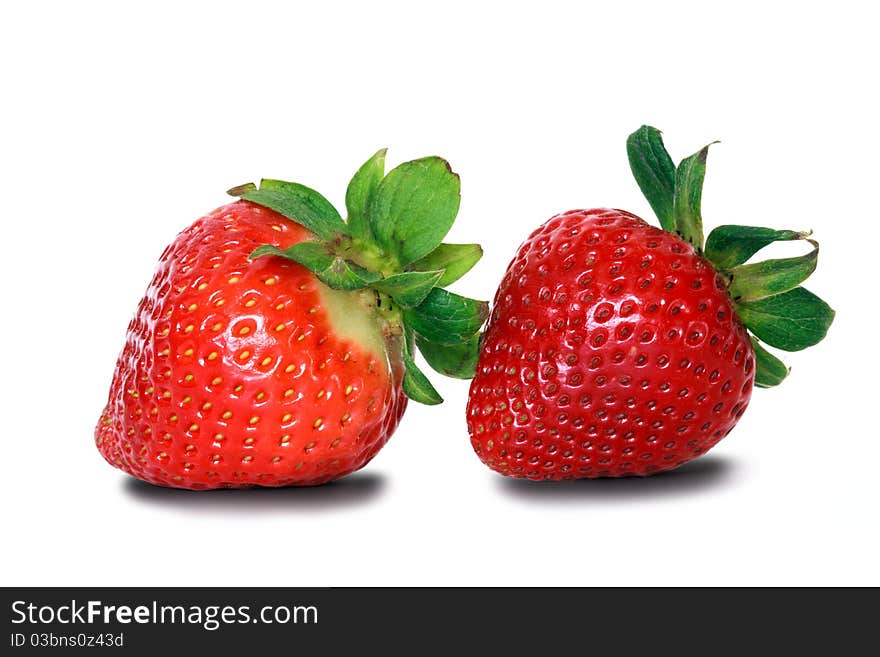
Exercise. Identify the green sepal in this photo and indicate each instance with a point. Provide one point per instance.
(458, 361)
(360, 194)
(330, 269)
(414, 207)
(791, 321)
(654, 172)
(687, 198)
(446, 318)
(409, 288)
(770, 277)
(728, 246)
(455, 260)
(769, 370)
(416, 385)
(297, 202)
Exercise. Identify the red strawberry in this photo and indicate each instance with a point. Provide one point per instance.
(241, 370)
(615, 348)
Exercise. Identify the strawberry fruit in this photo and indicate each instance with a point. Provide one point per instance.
(616, 348)
(275, 344)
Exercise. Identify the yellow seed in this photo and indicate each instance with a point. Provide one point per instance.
(280, 306)
(253, 420)
(347, 356)
(288, 392)
(289, 368)
(285, 440)
(206, 406)
(244, 355)
(276, 227)
(216, 381)
(202, 286)
(320, 394)
(187, 466)
(270, 280)
(218, 437)
(186, 400)
(300, 465)
(212, 355)
(192, 307)
(238, 388)
(165, 352)
(149, 391)
(280, 327)
(244, 330)
(266, 361)
(177, 477)
(248, 441)
(309, 446)
(345, 416)
(194, 427)
(219, 302)
(313, 310)
(250, 303)
(247, 459)
(302, 336)
(189, 329)
(261, 395)
(190, 448)
(173, 418)
(163, 455)
(335, 443)
(226, 415)
(318, 423)
(188, 352)
(215, 458)
(348, 390)
(286, 418)
(217, 326)
(188, 378)
(232, 280)
(275, 459)
(164, 331)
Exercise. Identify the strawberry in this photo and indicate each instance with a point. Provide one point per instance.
(274, 345)
(616, 348)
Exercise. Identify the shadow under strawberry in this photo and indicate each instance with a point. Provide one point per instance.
(354, 490)
(692, 477)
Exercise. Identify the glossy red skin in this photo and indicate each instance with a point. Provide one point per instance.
(613, 349)
(284, 402)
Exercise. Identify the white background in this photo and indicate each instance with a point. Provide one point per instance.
(120, 126)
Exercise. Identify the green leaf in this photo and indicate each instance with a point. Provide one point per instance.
(414, 207)
(769, 370)
(654, 172)
(360, 193)
(416, 385)
(457, 360)
(299, 203)
(330, 269)
(688, 197)
(455, 260)
(792, 321)
(446, 318)
(770, 277)
(729, 246)
(410, 288)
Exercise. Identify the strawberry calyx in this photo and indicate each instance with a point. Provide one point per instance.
(767, 295)
(390, 252)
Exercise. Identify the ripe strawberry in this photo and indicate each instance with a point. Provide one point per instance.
(615, 348)
(293, 368)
